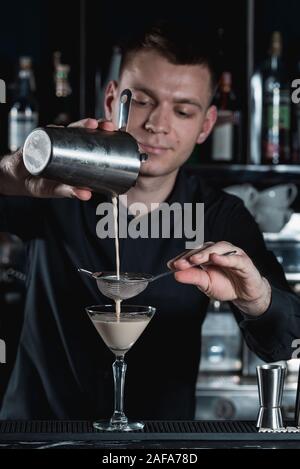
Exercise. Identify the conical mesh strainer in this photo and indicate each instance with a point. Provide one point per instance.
(129, 284)
(126, 286)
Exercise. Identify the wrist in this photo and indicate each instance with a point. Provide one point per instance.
(257, 306)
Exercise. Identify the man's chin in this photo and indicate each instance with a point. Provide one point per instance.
(154, 170)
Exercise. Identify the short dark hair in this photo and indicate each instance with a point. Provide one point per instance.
(179, 43)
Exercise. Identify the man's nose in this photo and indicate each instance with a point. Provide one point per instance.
(158, 121)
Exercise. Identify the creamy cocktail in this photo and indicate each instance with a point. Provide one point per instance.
(119, 334)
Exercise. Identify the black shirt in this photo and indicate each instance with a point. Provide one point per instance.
(63, 368)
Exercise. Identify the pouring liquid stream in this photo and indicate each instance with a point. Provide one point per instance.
(117, 250)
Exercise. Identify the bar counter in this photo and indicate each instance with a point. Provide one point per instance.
(156, 434)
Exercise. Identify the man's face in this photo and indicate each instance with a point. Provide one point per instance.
(169, 112)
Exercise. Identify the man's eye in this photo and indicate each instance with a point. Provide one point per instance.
(140, 102)
(183, 114)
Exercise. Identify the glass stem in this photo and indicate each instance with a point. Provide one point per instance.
(119, 371)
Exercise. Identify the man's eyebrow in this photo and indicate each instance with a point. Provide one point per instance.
(176, 101)
(188, 101)
(145, 91)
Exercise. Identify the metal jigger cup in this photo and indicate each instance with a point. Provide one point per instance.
(270, 379)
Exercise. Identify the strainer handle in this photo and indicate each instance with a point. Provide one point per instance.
(90, 274)
(87, 272)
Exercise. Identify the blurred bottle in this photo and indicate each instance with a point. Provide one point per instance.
(63, 95)
(295, 116)
(3, 116)
(23, 114)
(256, 104)
(226, 136)
(56, 61)
(276, 106)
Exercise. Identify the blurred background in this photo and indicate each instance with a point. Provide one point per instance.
(56, 58)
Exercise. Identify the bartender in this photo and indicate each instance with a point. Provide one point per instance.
(63, 369)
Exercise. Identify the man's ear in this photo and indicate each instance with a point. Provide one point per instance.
(208, 124)
(110, 99)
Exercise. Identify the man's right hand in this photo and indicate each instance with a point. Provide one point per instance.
(16, 180)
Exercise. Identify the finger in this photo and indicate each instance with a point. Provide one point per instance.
(45, 188)
(171, 262)
(237, 262)
(63, 190)
(40, 187)
(15, 165)
(82, 194)
(194, 276)
(219, 248)
(187, 253)
(106, 125)
(83, 188)
(181, 264)
(88, 123)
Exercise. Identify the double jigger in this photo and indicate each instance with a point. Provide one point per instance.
(270, 379)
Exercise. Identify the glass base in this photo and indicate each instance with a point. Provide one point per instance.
(107, 426)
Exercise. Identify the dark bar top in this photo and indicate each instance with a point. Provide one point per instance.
(156, 434)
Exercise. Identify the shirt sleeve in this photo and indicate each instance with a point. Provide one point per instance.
(270, 335)
(23, 216)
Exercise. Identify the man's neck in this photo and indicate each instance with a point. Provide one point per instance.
(150, 190)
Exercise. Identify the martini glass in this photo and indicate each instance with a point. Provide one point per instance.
(119, 335)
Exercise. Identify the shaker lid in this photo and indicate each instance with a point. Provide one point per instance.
(37, 151)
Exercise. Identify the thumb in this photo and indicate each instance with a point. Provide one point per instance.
(88, 123)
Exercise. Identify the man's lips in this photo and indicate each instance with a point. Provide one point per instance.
(155, 150)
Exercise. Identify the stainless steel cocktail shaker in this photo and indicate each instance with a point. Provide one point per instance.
(103, 161)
